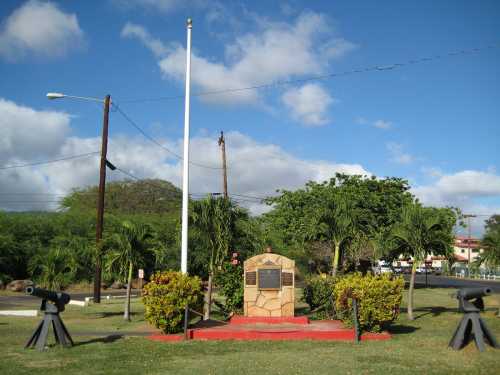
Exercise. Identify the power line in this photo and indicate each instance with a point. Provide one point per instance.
(151, 139)
(49, 161)
(194, 196)
(16, 202)
(250, 196)
(373, 68)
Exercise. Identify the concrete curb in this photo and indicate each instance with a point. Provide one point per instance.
(27, 313)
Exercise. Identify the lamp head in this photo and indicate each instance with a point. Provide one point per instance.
(55, 95)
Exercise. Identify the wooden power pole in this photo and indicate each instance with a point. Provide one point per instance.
(100, 201)
(222, 144)
(468, 216)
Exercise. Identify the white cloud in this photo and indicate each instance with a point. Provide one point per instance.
(381, 124)
(337, 48)
(40, 28)
(139, 32)
(308, 104)
(466, 190)
(27, 133)
(461, 185)
(165, 6)
(277, 51)
(432, 171)
(254, 168)
(398, 155)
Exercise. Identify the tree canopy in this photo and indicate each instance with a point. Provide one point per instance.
(329, 214)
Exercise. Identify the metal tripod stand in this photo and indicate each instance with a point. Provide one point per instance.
(51, 318)
(471, 323)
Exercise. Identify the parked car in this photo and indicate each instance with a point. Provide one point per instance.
(437, 271)
(398, 270)
(420, 270)
(386, 269)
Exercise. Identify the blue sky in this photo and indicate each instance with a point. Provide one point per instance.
(435, 123)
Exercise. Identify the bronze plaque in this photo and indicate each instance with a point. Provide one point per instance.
(287, 279)
(269, 278)
(251, 278)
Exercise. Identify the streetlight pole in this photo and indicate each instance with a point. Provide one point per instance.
(102, 184)
(100, 202)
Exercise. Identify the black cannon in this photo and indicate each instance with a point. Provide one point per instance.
(52, 304)
(471, 323)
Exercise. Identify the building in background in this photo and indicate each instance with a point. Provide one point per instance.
(465, 250)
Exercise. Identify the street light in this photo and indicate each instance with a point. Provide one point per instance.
(58, 95)
(102, 183)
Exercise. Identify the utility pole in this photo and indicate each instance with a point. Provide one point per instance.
(100, 201)
(222, 144)
(470, 241)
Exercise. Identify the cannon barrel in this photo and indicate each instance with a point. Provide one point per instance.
(55, 297)
(470, 293)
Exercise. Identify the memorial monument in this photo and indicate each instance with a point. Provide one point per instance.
(269, 286)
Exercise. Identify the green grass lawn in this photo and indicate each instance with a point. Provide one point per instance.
(417, 347)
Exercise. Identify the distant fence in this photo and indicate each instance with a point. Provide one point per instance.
(478, 276)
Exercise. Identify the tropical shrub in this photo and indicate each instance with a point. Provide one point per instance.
(54, 270)
(379, 298)
(318, 292)
(166, 296)
(229, 281)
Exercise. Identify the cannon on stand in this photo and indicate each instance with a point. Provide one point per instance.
(471, 323)
(52, 304)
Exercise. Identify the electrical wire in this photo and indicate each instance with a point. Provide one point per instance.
(49, 161)
(151, 139)
(195, 196)
(373, 68)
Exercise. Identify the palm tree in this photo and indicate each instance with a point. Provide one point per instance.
(126, 251)
(337, 223)
(420, 232)
(491, 246)
(55, 269)
(215, 218)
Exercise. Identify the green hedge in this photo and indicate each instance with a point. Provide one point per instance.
(229, 281)
(318, 292)
(379, 299)
(166, 296)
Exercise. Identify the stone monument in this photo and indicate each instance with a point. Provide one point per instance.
(269, 286)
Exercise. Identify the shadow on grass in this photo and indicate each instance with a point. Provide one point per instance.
(433, 310)
(107, 314)
(106, 340)
(438, 310)
(399, 329)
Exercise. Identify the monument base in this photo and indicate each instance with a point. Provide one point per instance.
(324, 330)
(240, 319)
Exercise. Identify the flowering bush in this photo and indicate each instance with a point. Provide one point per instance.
(166, 296)
(229, 281)
(379, 298)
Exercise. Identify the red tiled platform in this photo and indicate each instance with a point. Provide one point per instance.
(241, 328)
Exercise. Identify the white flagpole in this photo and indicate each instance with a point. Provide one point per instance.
(185, 173)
